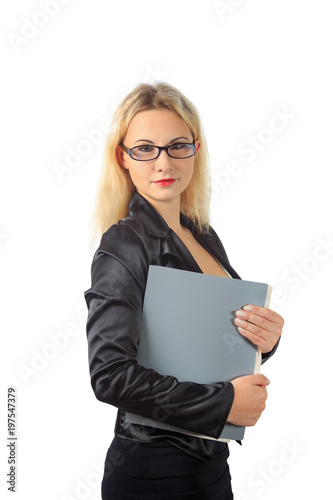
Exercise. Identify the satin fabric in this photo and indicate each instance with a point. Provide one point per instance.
(118, 279)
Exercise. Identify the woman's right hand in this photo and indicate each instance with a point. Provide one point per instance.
(250, 394)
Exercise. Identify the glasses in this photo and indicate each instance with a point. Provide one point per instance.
(146, 153)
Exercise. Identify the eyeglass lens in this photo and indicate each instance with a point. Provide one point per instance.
(175, 150)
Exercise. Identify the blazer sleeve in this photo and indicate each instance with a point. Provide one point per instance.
(114, 304)
(267, 355)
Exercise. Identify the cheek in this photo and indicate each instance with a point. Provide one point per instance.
(186, 176)
(136, 175)
(189, 171)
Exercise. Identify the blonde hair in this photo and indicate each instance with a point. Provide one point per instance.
(115, 187)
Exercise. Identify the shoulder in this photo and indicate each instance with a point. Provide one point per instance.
(127, 232)
(123, 250)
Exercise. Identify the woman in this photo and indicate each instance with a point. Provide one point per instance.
(152, 208)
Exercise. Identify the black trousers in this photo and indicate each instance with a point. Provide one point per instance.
(160, 471)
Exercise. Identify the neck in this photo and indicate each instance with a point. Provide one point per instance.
(170, 211)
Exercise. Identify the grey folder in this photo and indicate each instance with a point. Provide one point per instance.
(188, 331)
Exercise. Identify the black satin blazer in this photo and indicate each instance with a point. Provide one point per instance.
(119, 273)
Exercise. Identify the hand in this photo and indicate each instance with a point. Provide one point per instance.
(250, 394)
(262, 326)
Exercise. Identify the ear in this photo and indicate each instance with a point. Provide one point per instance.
(120, 157)
(197, 143)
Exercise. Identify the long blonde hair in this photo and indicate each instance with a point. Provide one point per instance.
(115, 186)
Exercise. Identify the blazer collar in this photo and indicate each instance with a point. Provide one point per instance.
(156, 226)
(154, 223)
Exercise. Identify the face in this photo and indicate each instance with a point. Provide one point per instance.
(159, 128)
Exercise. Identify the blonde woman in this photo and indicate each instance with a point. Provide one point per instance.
(152, 207)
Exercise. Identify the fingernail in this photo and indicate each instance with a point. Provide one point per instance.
(248, 308)
(240, 313)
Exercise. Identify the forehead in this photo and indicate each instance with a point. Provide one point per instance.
(157, 124)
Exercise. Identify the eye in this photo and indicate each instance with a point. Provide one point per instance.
(145, 149)
(178, 147)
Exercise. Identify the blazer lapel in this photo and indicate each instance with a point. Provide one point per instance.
(156, 226)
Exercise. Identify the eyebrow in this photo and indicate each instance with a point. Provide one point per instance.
(151, 142)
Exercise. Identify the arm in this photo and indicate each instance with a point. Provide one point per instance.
(115, 306)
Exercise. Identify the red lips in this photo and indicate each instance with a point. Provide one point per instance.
(165, 182)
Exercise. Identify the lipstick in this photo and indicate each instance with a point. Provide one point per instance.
(165, 182)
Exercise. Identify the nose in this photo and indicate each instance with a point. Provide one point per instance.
(162, 162)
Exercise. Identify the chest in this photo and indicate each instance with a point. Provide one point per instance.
(203, 258)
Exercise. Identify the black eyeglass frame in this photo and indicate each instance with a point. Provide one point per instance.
(160, 148)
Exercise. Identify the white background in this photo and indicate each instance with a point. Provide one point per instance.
(64, 68)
